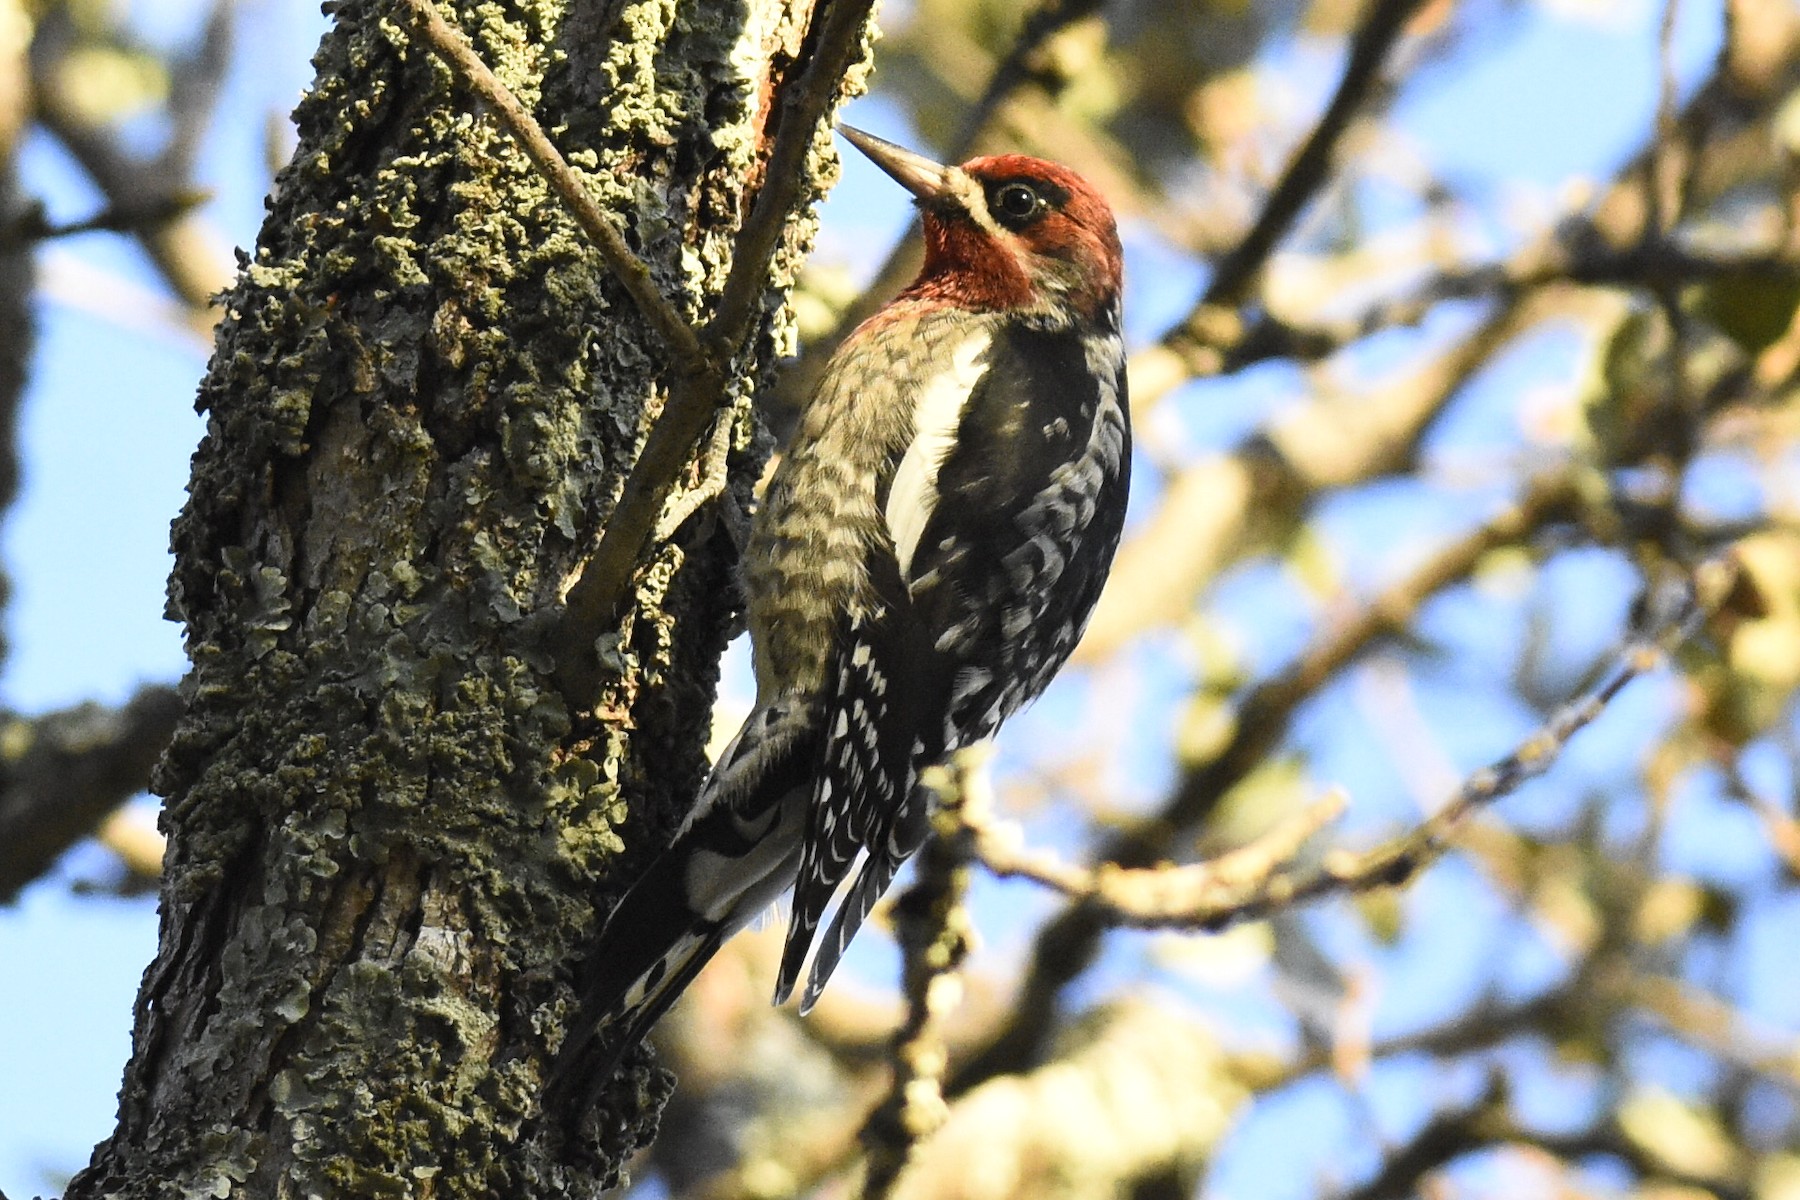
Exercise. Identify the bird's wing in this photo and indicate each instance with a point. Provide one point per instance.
(1028, 511)
(1001, 529)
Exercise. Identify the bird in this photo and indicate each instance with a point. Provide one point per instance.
(924, 559)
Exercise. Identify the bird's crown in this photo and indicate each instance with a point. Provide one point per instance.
(1008, 232)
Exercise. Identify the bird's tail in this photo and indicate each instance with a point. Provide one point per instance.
(733, 856)
(905, 835)
(864, 803)
(644, 962)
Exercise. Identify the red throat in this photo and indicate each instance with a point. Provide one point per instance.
(967, 267)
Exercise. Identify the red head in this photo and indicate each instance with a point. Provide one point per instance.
(1008, 232)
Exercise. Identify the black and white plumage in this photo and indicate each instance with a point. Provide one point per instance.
(925, 559)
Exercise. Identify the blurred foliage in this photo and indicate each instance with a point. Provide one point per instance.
(1647, 345)
(1595, 996)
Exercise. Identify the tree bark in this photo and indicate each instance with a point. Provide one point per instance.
(389, 832)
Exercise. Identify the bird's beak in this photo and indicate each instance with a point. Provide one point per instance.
(917, 174)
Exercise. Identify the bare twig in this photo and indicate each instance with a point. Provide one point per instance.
(700, 359)
(1263, 877)
(634, 275)
(804, 106)
(1155, 897)
(593, 603)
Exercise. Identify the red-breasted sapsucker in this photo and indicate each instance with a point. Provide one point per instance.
(924, 560)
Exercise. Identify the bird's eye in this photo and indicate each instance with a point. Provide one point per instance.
(1017, 202)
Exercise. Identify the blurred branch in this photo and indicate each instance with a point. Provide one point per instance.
(1608, 1139)
(1218, 509)
(195, 82)
(1577, 255)
(135, 217)
(17, 268)
(188, 254)
(1310, 168)
(1717, 1027)
(60, 774)
(933, 929)
(1263, 877)
(1445, 1138)
(132, 836)
(1221, 508)
(1264, 713)
(1137, 1093)
(1190, 346)
(1668, 176)
(1663, 190)
(1041, 24)
(760, 1098)
(1067, 944)
(1451, 1136)
(1783, 830)
(1612, 243)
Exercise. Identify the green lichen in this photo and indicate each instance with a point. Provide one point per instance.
(387, 825)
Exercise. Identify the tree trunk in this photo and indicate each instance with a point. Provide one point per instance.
(389, 832)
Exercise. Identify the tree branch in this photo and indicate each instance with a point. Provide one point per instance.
(63, 772)
(1225, 506)
(592, 604)
(1263, 877)
(700, 358)
(1445, 1138)
(188, 254)
(454, 50)
(1068, 943)
(1310, 168)
(803, 108)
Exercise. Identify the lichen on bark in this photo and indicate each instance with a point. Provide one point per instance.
(388, 830)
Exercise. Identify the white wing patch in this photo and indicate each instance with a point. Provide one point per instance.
(913, 496)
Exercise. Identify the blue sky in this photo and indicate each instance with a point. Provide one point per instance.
(109, 426)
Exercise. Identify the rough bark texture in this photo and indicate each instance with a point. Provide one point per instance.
(388, 830)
